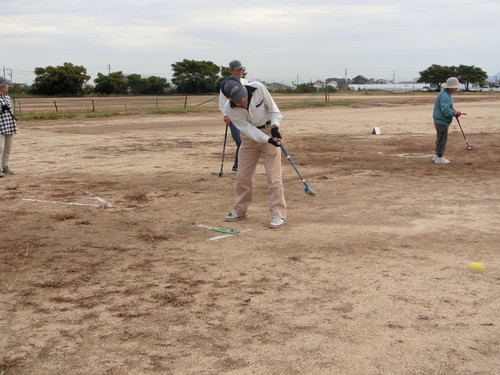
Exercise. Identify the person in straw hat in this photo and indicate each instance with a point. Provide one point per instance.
(8, 127)
(443, 116)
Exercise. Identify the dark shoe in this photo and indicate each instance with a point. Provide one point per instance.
(6, 170)
(234, 170)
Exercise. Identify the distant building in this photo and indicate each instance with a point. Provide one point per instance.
(390, 86)
(281, 86)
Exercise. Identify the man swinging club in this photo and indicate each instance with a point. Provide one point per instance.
(254, 112)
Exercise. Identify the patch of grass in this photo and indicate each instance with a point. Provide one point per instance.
(149, 236)
(65, 215)
(103, 114)
(137, 195)
(47, 116)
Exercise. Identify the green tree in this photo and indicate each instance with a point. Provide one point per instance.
(195, 77)
(305, 88)
(66, 79)
(437, 74)
(157, 86)
(147, 86)
(113, 83)
(137, 84)
(470, 74)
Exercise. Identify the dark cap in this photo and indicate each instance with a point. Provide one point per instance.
(233, 90)
(235, 65)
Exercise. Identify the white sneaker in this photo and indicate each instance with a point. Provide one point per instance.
(277, 222)
(233, 216)
(441, 160)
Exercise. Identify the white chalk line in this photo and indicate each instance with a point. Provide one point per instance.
(228, 235)
(406, 155)
(223, 235)
(92, 196)
(61, 202)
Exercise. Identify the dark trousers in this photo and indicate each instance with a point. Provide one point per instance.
(441, 139)
(235, 133)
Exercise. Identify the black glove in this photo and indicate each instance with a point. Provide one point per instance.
(275, 132)
(5, 108)
(274, 142)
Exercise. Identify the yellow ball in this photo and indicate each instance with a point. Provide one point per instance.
(476, 266)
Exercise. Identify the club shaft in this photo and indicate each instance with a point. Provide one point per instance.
(223, 152)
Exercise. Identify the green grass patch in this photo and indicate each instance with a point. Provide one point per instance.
(46, 116)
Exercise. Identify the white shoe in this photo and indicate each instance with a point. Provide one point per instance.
(441, 160)
(233, 216)
(277, 222)
(434, 158)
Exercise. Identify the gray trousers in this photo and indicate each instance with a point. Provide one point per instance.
(5, 147)
(441, 138)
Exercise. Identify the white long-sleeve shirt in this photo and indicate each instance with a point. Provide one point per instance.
(261, 109)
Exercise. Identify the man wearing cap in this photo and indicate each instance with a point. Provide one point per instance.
(443, 116)
(237, 70)
(8, 126)
(254, 112)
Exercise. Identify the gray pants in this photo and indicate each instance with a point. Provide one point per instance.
(441, 138)
(5, 147)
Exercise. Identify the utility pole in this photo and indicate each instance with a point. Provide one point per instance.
(109, 69)
(346, 85)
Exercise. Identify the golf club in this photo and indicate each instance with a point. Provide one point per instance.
(309, 190)
(223, 152)
(467, 145)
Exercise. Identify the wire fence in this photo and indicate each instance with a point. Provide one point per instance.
(32, 106)
(35, 106)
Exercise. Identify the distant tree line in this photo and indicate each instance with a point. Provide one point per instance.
(189, 77)
(467, 74)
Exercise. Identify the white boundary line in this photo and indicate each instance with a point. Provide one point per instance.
(92, 196)
(60, 202)
(406, 155)
(228, 235)
(224, 235)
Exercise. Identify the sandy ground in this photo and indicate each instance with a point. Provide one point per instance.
(369, 277)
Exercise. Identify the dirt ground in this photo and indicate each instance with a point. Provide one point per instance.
(369, 277)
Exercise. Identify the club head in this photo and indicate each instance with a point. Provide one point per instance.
(220, 174)
(310, 191)
(469, 147)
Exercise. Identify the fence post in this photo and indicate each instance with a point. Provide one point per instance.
(125, 101)
(55, 104)
(185, 102)
(93, 106)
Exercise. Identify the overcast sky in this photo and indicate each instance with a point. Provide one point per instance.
(275, 40)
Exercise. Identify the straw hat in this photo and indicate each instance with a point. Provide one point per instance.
(453, 83)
